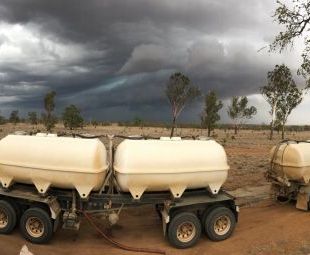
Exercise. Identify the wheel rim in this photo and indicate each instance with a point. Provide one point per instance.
(222, 225)
(186, 232)
(35, 227)
(3, 219)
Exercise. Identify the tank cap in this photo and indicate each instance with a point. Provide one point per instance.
(166, 138)
(176, 139)
(204, 138)
(41, 134)
(51, 135)
(20, 133)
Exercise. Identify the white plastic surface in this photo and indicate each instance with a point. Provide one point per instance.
(292, 161)
(49, 161)
(175, 165)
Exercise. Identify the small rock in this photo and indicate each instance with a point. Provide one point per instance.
(25, 251)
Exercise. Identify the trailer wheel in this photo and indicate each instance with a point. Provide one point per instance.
(184, 230)
(219, 223)
(8, 217)
(206, 213)
(36, 225)
(17, 209)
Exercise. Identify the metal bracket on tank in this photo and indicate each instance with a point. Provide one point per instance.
(177, 191)
(41, 186)
(6, 181)
(214, 188)
(136, 192)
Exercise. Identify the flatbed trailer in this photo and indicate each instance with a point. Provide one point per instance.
(184, 219)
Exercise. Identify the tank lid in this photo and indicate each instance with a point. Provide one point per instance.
(166, 138)
(46, 135)
(41, 134)
(204, 138)
(20, 133)
(51, 135)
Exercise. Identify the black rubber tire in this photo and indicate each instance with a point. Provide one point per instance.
(176, 221)
(206, 213)
(211, 218)
(10, 212)
(17, 208)
(43, 216)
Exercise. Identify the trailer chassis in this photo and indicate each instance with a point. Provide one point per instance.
(67, 207)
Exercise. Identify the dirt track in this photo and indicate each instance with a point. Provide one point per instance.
(264, 229)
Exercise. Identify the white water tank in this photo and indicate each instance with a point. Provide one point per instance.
(292, 161)
(51, 161)
(170, 164)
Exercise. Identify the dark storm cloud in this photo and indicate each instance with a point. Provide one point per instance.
(113, 58)
(87, 19)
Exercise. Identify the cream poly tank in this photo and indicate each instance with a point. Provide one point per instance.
(169, 164)
(292, 160)
(51, 161)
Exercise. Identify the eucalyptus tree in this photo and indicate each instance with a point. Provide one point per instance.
(289, 100)
(49, 120)
(239, 110)
(33, 118)
(180, 92)
(210, 114)
(282, 94)
(294, 18)
(14, 117)
(72, 117)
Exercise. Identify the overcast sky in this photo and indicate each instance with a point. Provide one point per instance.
(113, 58)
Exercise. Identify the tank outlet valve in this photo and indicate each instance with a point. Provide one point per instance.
(71, 221)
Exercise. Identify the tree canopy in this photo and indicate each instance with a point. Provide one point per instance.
(33, 118)
(14, 117)
(210, 114)
(72, 117)
(295, 18)
(180, 92)
(49, 120)
(239, 110)
(282, 94)
(288, 102)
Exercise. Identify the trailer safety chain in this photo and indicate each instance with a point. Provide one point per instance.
(117, 244)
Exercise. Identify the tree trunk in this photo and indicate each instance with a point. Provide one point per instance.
(272, 121)
(271, 132)
(283, 129)
(209, 131)
(236, 129)
(173, 126)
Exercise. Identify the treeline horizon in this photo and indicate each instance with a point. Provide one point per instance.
(137, 122)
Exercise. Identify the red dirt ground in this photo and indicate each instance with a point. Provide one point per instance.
(263, 229)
